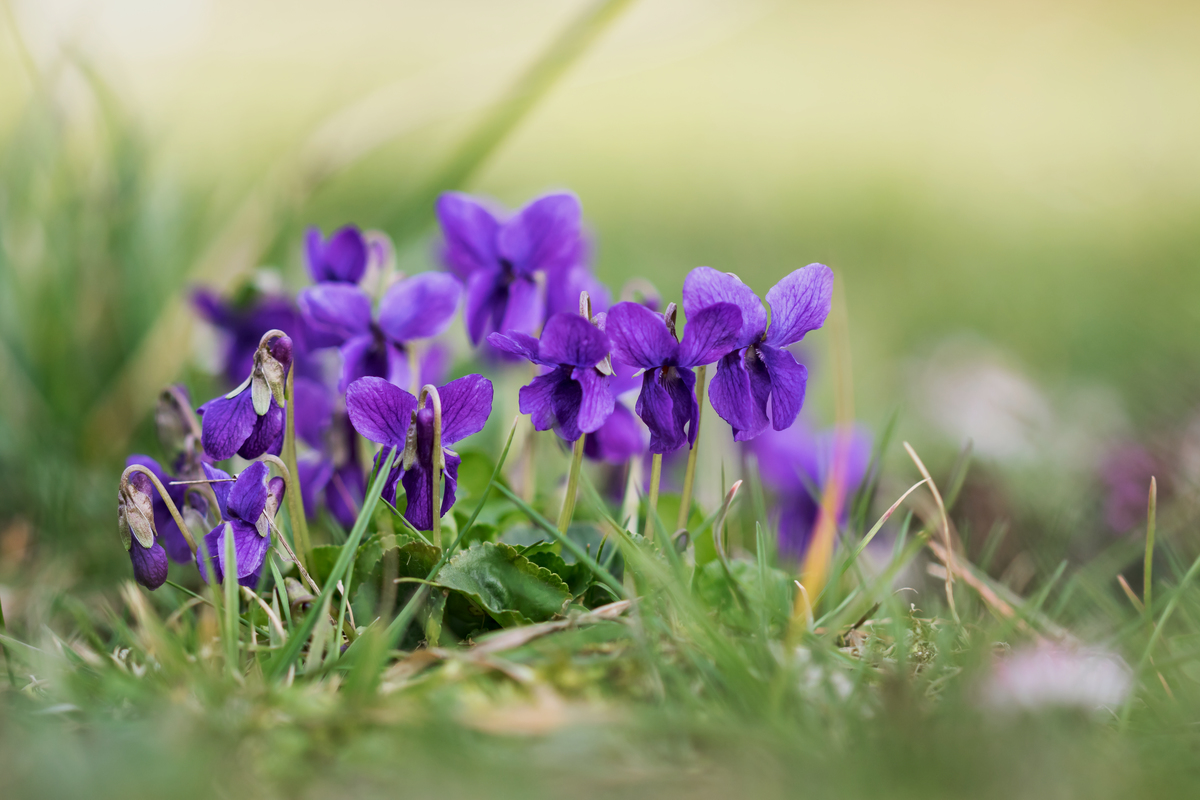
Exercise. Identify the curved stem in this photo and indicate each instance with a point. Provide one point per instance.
(439, 460)
(652, 501)
(292, 496)
(689, 477)
(162, 492)
(568, 505)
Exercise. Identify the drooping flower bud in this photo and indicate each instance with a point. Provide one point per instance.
(136, 504)
(174, 419)
(135, 519)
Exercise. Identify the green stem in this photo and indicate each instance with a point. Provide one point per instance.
(689, 477)
(12, 678)
(295, 503)
(278, 666)
(1151, 511)
(652, 501)
(568, 506)
(232, 633)
(439, 460)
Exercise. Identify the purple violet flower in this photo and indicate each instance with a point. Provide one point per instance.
(646, 340)
(342, 258)
(242, 325)
(248, 507)
(249, 420)
(135, 524)
(334, 476)
(574, 397)
(419, 307)
(387, 414)
(188, 503)
(760, 369)
(796, 464)
(499, 257)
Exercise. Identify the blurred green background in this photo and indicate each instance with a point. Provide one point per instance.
(1009, 194)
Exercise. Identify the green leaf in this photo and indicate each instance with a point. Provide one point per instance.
(508, 586)
(577, 576)
(324, 556)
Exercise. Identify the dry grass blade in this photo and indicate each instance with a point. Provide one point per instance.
(947, 550)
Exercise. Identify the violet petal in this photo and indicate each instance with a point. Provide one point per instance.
(266, 434)
(248, 497)
(225, 424)
(788, 382)
(705, 286)
(419, 307)
(341, 310)
(710, 334)
(799, 303)
(470, 231)
(380, 411)
(639, 336)
(544, 235)
(596, 403)
(571, 339)
(466, 406)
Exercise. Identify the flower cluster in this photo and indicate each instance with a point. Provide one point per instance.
(358, 358)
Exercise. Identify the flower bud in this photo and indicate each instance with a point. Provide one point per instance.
(135, 508)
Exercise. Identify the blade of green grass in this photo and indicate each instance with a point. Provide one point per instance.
(277, 666)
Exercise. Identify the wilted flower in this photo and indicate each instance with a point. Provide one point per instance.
(191, 505)
(135, 524)
(646, 340)
(415, 308)
(500, 258)
(798, 464)
(342, 258)
(248, 507)
(1049, 675)
(249, 423)
(387, 414)
(574, 397)
(760, 369)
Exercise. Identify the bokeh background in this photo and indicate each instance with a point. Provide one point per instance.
(1009, 194)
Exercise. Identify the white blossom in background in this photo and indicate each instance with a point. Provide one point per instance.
(1050, 675)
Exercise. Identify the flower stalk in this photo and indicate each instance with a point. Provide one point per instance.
(568, 506)
(652, 501)
(439, 459)
(689, 477)
(295, 503)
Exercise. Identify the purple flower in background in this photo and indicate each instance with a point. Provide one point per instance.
(388, 415)
(342, 258)
(646, 340)
(1126, 472)
(248, 507)
(760, 369)
(242, 325)
(190, 504)
(619, 439)
(564, 287)
(797, 464)
(419, 307)
(135, 524)
(574, 397)
(249, 420)
(334, 476)
(500, 257)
